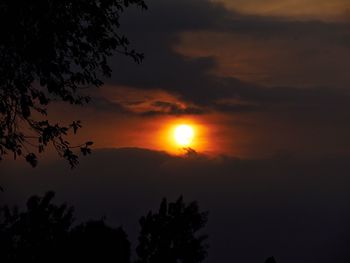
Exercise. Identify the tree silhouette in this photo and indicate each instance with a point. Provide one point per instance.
(37, 234)
(170, 235)
(44, 232)
(50, 52)
(94, 241)
(270, 260)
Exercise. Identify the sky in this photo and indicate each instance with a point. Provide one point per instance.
(264, 84)
(261, 79)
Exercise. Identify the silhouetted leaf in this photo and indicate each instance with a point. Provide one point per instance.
(32, 159)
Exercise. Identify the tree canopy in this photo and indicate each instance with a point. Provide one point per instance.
(171, 235)
(44, 232)
(36, 234)
(50, 52)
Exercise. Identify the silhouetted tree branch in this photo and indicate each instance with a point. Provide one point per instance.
(49, 51)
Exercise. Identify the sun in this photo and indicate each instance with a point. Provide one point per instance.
(183, 135)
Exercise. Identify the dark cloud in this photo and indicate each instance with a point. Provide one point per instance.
(170, 108)
(157, 31)
(297, 210)
(168, 17)
(156, 108)
(104, 104)
(273, 27)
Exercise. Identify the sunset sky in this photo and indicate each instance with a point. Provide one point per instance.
(262, 78)
(264, 84)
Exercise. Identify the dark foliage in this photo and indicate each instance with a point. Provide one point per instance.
(50, 51)
(94, 241)
(44, 233)
(39, 234)
(270, 260)
(170, 235)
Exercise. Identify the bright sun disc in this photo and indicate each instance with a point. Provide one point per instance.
(183, 135)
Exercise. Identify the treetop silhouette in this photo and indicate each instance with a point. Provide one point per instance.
(44, 232)
(36, 234)
(270, 260)
(170, 235)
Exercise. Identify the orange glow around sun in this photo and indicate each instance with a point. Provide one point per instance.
(177, 135)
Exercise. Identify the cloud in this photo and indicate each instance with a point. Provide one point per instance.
(244, 117)
(157, 32)
(324, 10)
(104, 104)
(170, 108)
(294, 209)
